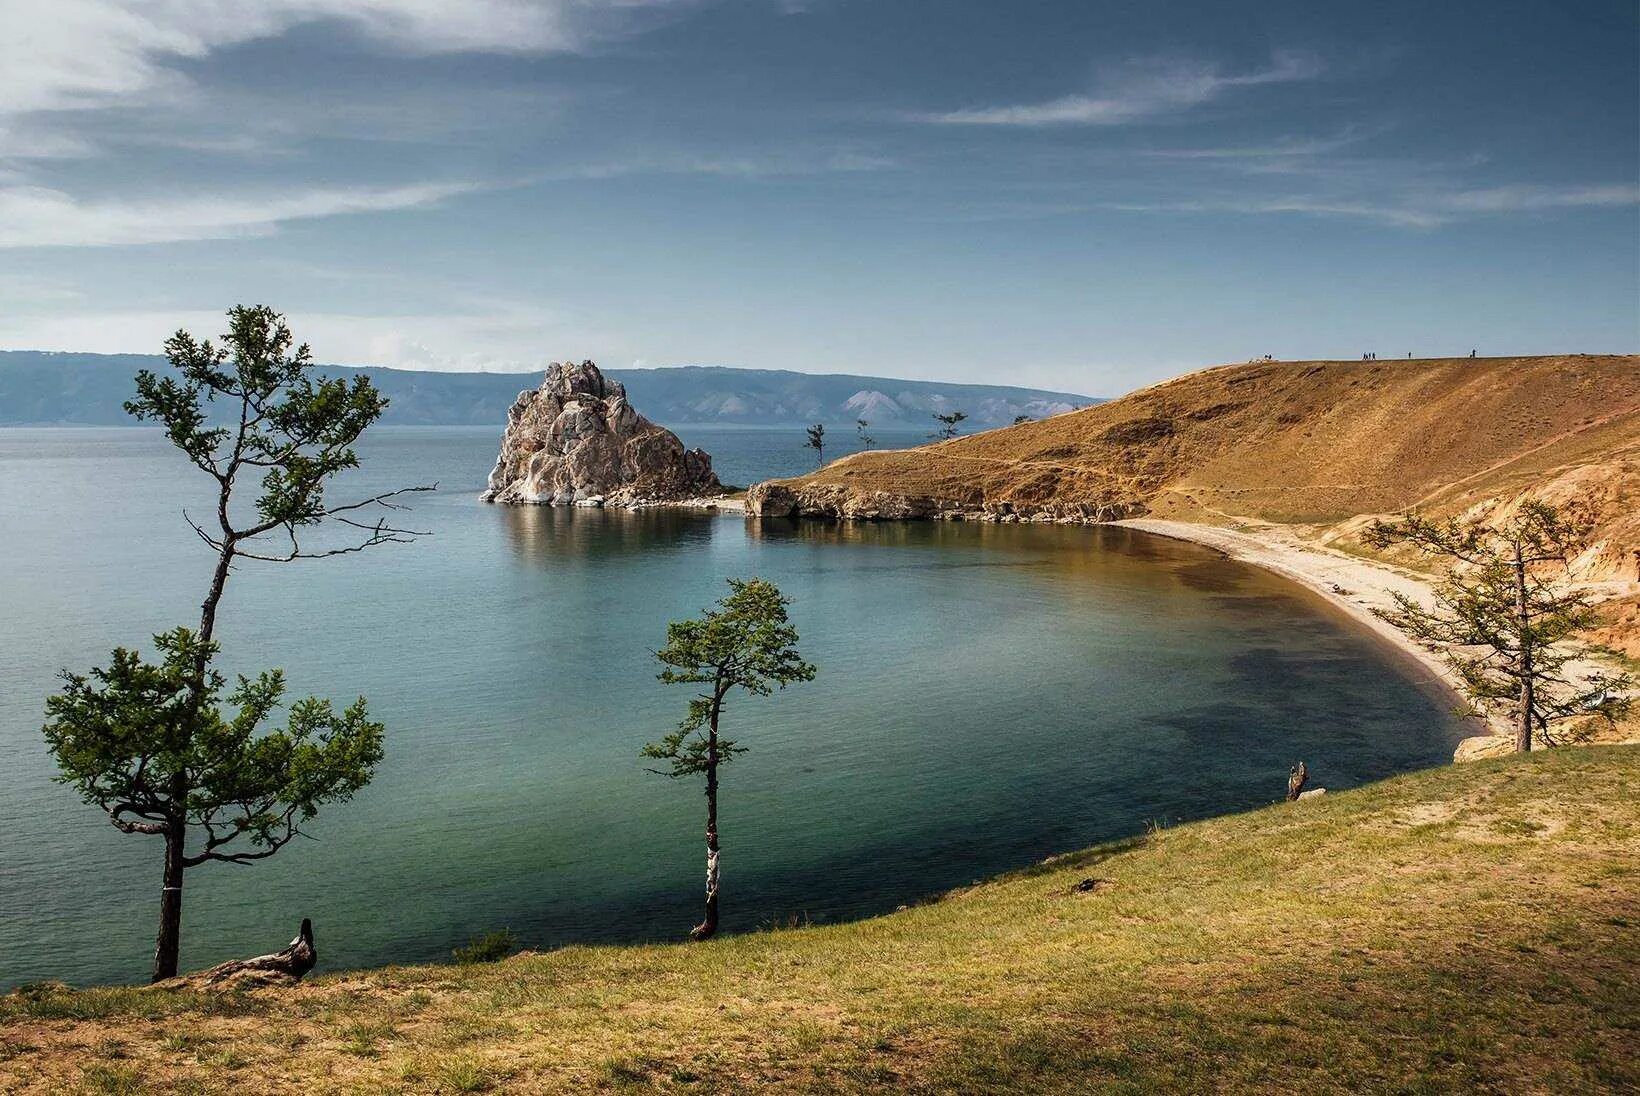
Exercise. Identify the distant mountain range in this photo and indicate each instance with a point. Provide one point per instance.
(39, 388)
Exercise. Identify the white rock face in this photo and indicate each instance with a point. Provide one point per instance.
(868, 403)
(576, 439)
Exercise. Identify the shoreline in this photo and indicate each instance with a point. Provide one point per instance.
(1351, 585)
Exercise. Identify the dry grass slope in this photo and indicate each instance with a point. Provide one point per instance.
(1308, 442)
(1461, 929)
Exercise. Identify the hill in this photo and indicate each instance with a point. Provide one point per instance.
(1460, 929)
(1311, 443)
(46, 389)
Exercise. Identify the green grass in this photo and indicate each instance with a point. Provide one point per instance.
(1467, 928)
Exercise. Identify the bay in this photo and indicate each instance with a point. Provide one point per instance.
(988, 695)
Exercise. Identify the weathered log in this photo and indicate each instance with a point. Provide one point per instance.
(287, 966)
(1296, 779)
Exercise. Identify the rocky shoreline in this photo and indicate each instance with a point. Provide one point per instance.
(837, 502)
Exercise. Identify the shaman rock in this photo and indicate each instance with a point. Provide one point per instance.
(576, 438)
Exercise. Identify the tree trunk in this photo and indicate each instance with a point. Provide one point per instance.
(291, 964)
(170, 907)
(709, 923)
(219, 577)
(1523, 627)
(167, 945)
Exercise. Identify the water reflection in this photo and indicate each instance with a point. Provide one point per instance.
(1068, 556)
(545, 535)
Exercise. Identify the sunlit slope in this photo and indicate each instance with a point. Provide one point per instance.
(1311, 442)
(1468, 928)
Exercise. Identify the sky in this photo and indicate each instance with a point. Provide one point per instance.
(1085, 195)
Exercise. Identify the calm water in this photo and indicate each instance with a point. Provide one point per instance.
(988, 695)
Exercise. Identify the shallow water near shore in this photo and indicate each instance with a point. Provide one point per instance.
(988, 695)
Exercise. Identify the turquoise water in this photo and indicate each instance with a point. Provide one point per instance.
(988, 695)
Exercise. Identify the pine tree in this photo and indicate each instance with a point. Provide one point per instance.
(948, 425)
(150, 742)
(745, 642)
(1502, 623)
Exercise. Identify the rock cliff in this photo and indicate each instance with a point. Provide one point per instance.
(576, 439)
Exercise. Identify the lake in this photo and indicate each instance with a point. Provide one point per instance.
(988, 695)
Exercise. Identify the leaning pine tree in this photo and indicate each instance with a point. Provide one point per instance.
(817, 442)
(1503, 624)
(744, 642)
(151, 743)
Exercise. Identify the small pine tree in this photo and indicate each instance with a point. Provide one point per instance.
(817, 442)
(1501, 623)
(745, 642)
(866, 440)
(948, 425)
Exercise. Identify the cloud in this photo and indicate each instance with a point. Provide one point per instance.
(471, 335)
(19, 142)
(1518, 199)
(1277, 154)
(1137, 91)
(24, 289)
(1427, 209)
(77, 54)
(32, 216)
(760, 165)
(396, 350)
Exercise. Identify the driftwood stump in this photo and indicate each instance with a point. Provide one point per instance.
(285, 967)
(1297, 777)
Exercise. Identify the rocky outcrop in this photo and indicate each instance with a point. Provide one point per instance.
(577, 440)
(840, 502)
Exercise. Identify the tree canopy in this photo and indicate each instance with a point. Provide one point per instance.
(1504, 624)
(817, 440)
(272, 416)
(744, 642)
(151, 743)
(136, 740)
(948, 424)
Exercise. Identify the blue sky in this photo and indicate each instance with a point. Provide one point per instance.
(1079, 195)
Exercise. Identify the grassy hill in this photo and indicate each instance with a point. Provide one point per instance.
(1310, 442)
(1467, 928)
